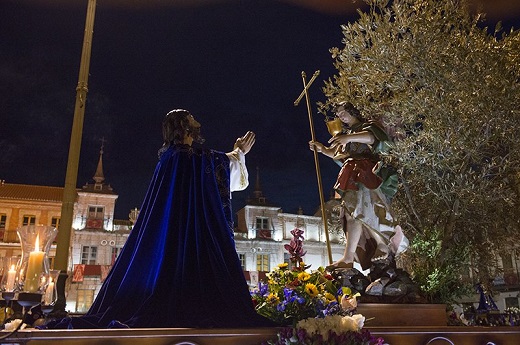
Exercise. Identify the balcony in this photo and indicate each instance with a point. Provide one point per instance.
(508, 280)
(264, 234)
(262, 276)
(83, 270)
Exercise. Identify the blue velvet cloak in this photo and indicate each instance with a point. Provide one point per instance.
(179, 266)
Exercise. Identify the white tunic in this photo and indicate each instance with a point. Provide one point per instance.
(239, 177)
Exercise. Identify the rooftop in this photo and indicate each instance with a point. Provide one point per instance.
(30, 192)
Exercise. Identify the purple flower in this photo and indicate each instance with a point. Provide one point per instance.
(281, 306)
(288, 293)
(263, 289)
(299, 299)
(332, 308)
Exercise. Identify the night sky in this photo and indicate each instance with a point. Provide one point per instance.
(236, 65)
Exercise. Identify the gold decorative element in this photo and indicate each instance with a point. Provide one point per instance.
(334, 127)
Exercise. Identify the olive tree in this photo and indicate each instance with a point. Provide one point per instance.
(447, 89)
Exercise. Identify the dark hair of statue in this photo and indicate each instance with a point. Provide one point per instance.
(352, 110)
(175, 126)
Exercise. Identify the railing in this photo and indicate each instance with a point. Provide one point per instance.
(264, 234)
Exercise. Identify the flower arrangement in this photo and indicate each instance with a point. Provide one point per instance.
(314, 307)
(293, 295)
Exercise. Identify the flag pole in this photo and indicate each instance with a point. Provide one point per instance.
(71, 177)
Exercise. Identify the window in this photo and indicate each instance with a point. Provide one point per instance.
(3, 221)
(242, 258)
(287, 260)
(510, 275)
(95, 217)
(28, 220)
(507, 261)
(262, 262)
(55, 222)
(114, 254)
(262, 228)
(262, 223)
(88, 255)
(95, 212)
(84, 300)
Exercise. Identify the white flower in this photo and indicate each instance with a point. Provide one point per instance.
(11, 326)
(354, 322)
(336, 323)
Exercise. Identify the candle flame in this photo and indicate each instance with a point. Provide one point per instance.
(12, 268)
(37, 243)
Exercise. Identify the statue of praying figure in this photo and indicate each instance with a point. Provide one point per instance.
(179, 266)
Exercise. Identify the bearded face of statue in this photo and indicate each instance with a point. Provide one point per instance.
(193, 130)
(180, 127)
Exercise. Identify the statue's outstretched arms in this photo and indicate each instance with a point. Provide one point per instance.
(239, 176)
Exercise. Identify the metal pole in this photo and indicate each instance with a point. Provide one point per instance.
(69, 192)
(316, 159)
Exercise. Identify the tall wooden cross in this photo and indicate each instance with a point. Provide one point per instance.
(305, 93)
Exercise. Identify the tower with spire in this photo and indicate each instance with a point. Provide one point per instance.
(96, 201)
(258, 196)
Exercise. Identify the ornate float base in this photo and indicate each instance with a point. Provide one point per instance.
(183, 336)
(398, 324)
(448, 335)
(403, 315)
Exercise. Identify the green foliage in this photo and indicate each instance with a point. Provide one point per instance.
(448, 92)
(438, 277)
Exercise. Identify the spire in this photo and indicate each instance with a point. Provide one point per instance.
(258, 197)
(258, 191)
(99, 177)
(99, 185)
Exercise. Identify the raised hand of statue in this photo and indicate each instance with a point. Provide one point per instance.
(246, 142)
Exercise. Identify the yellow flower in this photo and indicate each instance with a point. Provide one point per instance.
(304, 276)
(311, 290)
(272, 298)
(330, 297)
(283, 265)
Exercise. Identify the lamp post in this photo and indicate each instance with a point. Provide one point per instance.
(69, 192)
